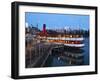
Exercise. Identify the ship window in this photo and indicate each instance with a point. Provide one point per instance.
(71, 36)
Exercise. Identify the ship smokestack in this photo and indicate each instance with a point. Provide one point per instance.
(44, 28)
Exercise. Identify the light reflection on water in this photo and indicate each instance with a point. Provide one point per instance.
(70, 57)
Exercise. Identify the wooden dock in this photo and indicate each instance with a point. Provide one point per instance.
(39, 54)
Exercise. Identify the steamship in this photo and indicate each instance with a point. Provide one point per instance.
(69, 40)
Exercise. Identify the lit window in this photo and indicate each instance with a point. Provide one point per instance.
(71, 36)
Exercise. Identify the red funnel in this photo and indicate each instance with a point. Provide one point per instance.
(44, 28)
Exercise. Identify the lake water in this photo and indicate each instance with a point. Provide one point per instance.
(69, 57)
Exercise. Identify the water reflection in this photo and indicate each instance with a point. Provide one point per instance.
(69, 56)
(65, 58)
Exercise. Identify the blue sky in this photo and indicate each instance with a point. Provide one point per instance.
(57, 21)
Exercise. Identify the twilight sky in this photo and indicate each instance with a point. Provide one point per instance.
(57, 21)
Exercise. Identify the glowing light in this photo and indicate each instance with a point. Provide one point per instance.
(71, 36)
